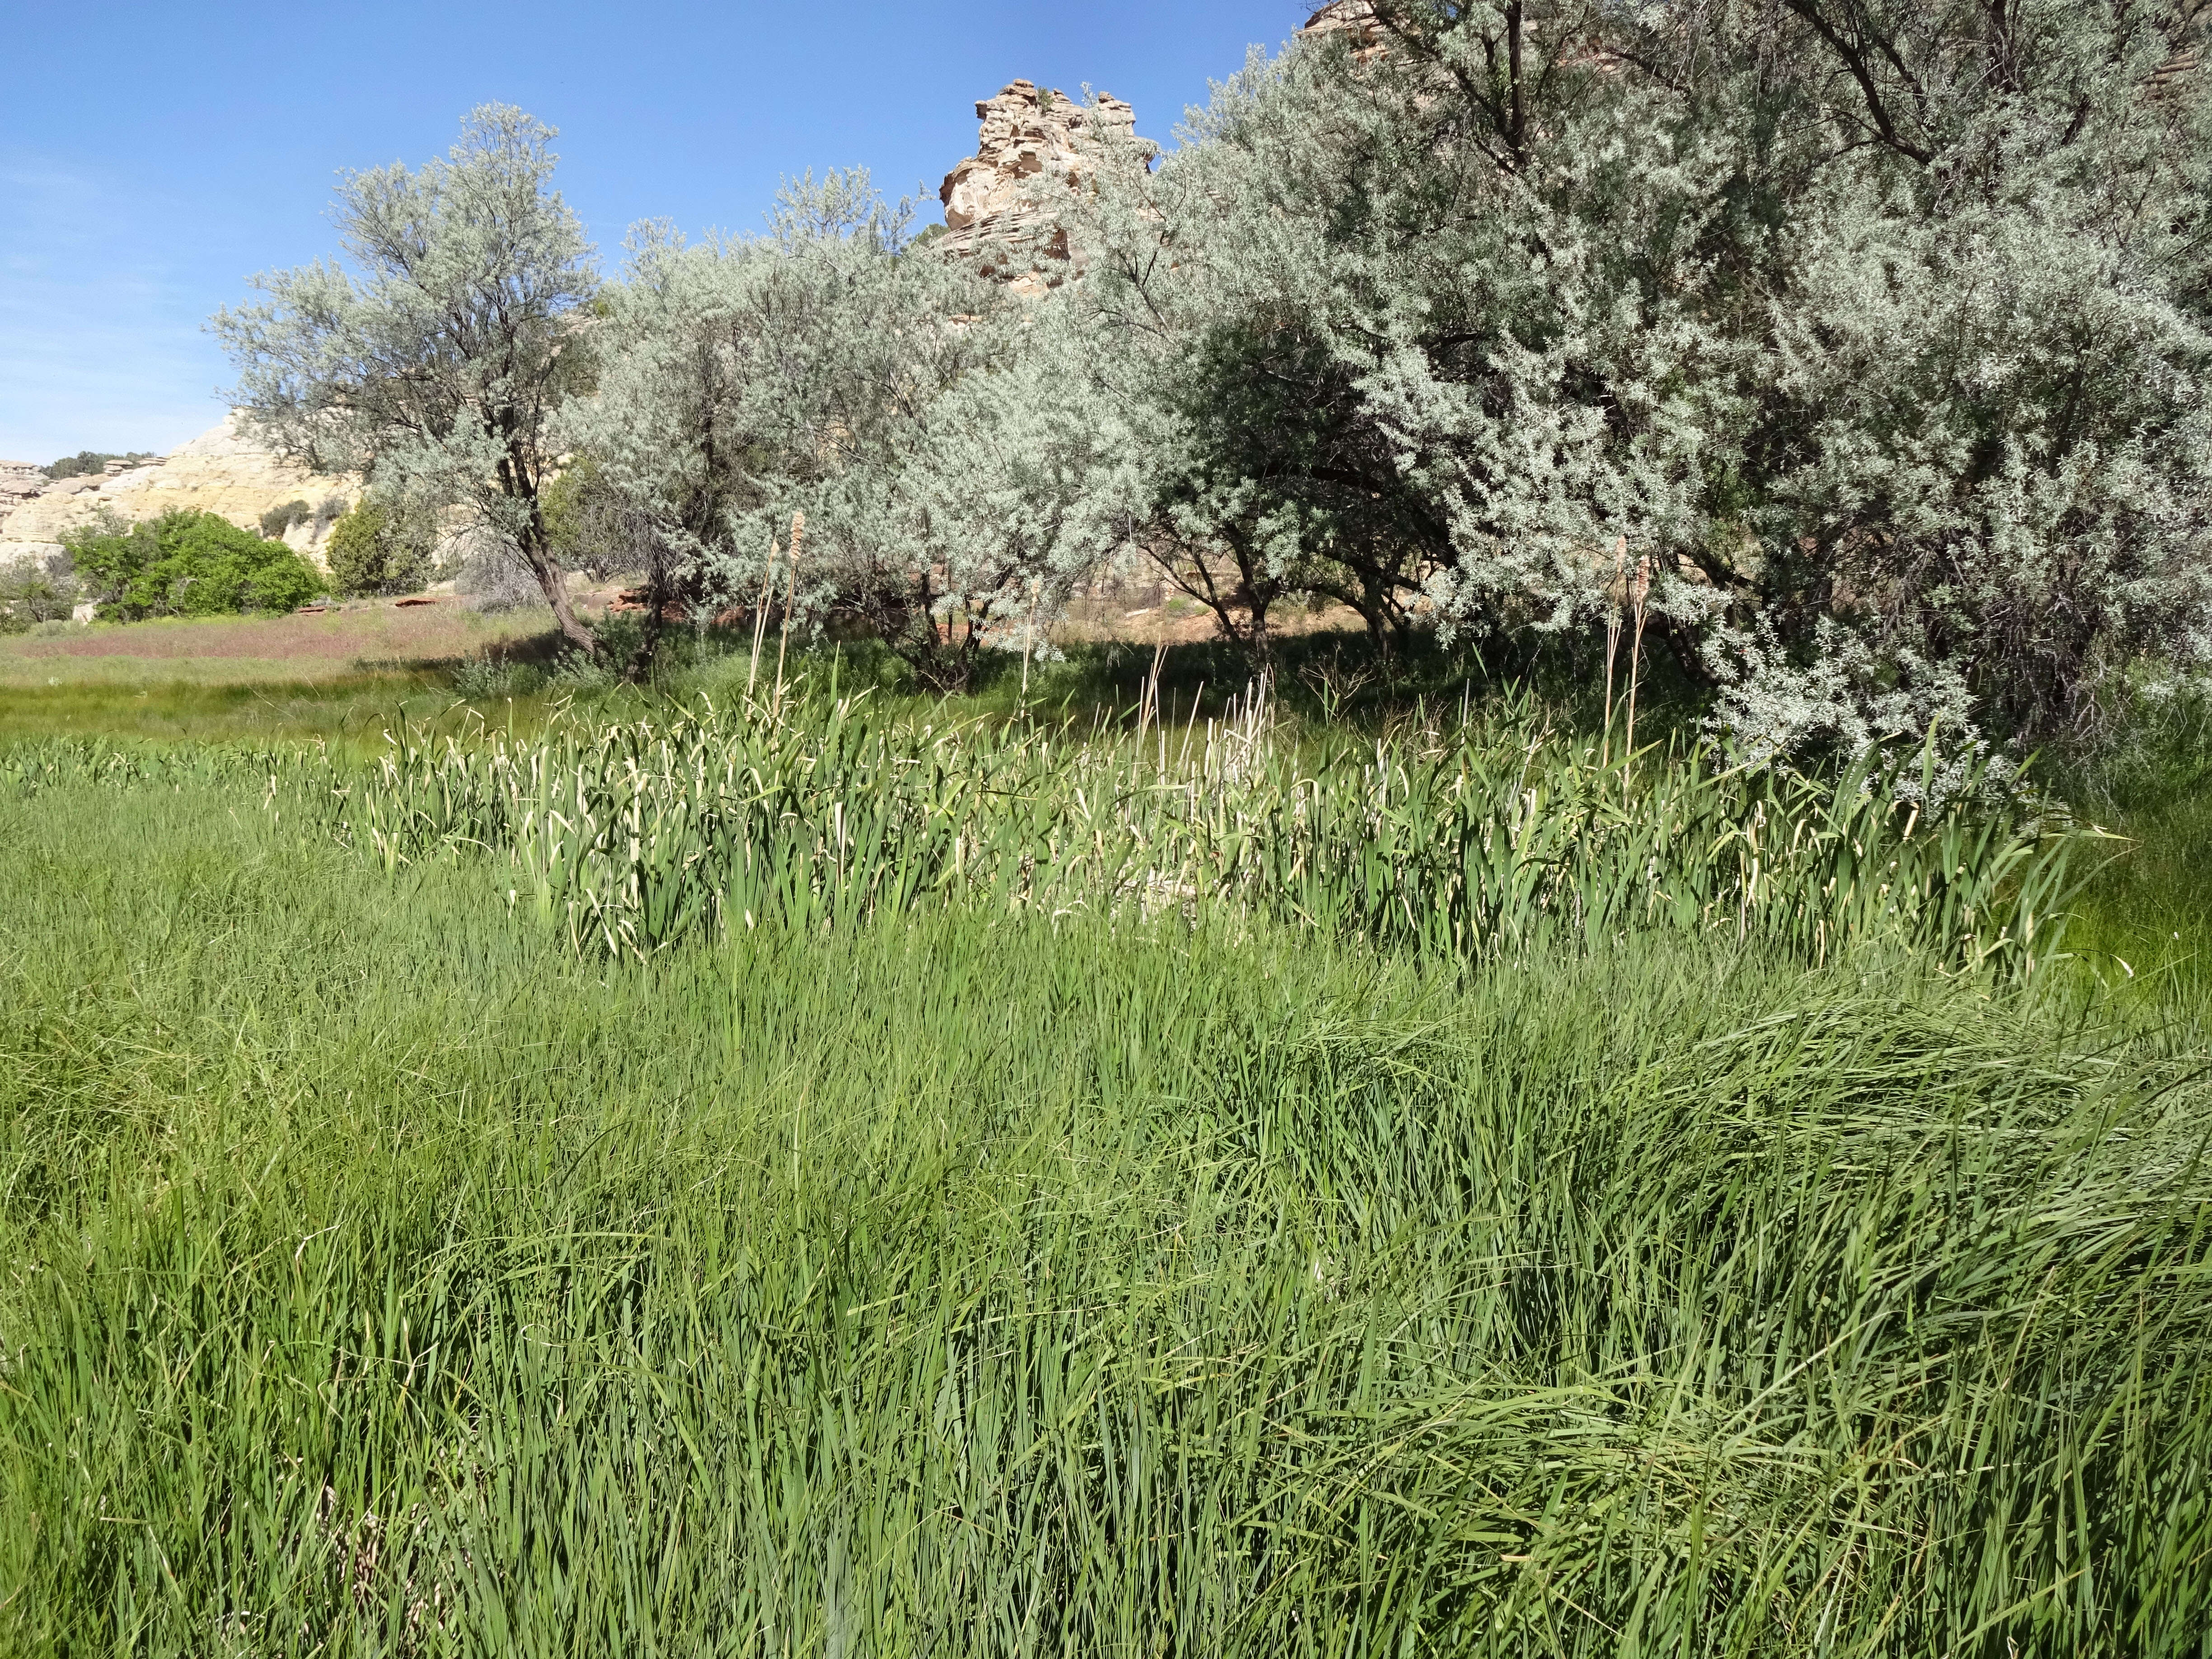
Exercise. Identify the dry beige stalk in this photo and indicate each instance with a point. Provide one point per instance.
(760, 613)
(1612, 644)
(1641, 591)
(790, 600)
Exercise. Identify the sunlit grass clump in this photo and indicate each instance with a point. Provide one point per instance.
(1469, 838)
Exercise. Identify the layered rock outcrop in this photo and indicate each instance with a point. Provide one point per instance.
(220, 472)
(1357, 16)
(19, 482)
(1002, 206)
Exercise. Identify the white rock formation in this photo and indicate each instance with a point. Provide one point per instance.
(999, 205)
(219, 472)
(19, 482)
(1357, 16)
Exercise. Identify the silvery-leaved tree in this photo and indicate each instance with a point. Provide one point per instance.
(1974, 477)
(1265, 476)
(1382, 346)
(434, 359)
(1875, 330)
(1014, 486)
(828, 367)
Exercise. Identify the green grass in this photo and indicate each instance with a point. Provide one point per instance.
(1385, 1183)
(352, 710)
(385, 1276)
(260, 679)
(252, 678)
(2146, 920)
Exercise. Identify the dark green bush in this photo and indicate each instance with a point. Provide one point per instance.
(186, 563)
(279, 519)
(589, 526)
(34, 591)
(372, 551)
(87, 462)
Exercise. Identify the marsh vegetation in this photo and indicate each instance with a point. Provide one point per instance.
(1653, 1099)
(783, 1177)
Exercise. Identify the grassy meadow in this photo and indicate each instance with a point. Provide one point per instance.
(643, 1173)
(329, 674)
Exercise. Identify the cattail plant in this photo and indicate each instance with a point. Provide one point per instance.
(1638, 595)
(1029, 630)
(1613, 597)
(759, 612)
(790, 603)
(1485, 840)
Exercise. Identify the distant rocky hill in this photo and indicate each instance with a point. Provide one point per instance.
(19, 482)
(220, 471)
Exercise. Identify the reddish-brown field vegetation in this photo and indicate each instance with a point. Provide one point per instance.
(349, 638)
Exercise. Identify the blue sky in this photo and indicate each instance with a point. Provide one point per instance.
(151, 158)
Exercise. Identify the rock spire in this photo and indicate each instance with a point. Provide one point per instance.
(998, 203)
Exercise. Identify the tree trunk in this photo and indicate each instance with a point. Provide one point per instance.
(552, 581)
(656, 602)
(1682, 645)
(1257, 644)
(1517, 112)
(519, 482)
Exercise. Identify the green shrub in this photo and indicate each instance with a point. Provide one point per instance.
(186, 563)
(88, 463)
(588, 525)
(279, 519)
(564, 504)
(34, 591)
(372, 552)
(485, 679)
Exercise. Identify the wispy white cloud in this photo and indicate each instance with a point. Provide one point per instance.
(100, 345)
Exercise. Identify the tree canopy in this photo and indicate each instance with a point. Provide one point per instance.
(1877, 332)
(435, 364)
(1861, 345)
(909, 409)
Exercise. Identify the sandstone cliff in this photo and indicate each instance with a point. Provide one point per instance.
(19, 482)
(1356, 16)
(219, 472)
(999, 203)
